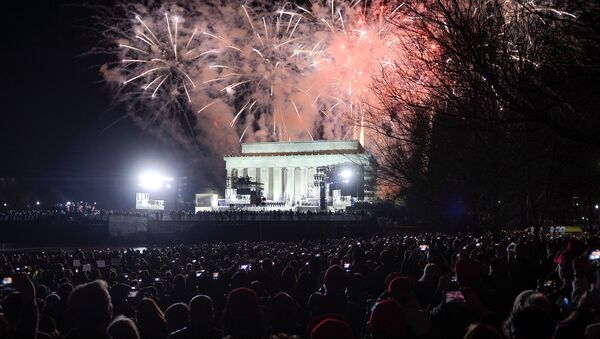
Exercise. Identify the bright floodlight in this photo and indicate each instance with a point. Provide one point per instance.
(347, 173)
(154, 180)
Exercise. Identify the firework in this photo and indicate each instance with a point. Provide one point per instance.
(160, 57)
(259, 66)
(278, 71)
(361, 45)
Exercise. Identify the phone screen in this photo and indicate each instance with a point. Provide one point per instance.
(455, 296)
(424, 247)
(215, 275)
(7, 281)
(594, 255)
(549, 283)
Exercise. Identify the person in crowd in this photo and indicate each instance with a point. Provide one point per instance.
(427, 284)
(331, 328)
(482, 331)
(387, 320)
(242, 316)
(20, 308)
(90, 309)
(151, 320)
(119, 294)
(122, 328)
(529, 322)
(417, 320)
(177, 316)
(282, 314)
(202, 314)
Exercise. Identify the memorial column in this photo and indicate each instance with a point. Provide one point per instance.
(228, 177)
(277, 183)
(252, 174)
(289, 185)
(264, 179)
(303, 185)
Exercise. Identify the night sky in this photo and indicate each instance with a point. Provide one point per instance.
(56, 109)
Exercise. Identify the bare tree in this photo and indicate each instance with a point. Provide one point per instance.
(489, 92)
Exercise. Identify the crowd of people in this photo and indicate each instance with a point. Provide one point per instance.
(508, 285)
(78, 215)
(55, 215)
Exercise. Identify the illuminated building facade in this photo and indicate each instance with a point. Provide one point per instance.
(300, 173)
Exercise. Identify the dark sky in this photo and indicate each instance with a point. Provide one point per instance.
(55, 109)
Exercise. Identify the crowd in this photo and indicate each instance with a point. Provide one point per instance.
(80, 215)
(56, 215)
(507, 285)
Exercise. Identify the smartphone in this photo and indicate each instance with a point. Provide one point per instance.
(424, 247)
(594, 255)
(549, 283)
(346, 265)
(198, 274)
(455, 296)
(7, 281)
(215, 275)
(156, 279)
(133, 294)
(244, 267)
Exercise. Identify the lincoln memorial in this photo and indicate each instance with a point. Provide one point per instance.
(289, 172)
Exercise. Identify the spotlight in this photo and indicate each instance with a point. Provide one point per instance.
(347, 173)
(154, 180)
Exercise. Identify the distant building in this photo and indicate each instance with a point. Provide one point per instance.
(300, 173)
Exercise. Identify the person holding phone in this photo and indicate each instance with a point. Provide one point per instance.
(24, 323)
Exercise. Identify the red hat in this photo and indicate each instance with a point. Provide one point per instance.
(468, 272)
(387, 319)
(242, 301)
(400, 288)
(330, 328)
(335, 278)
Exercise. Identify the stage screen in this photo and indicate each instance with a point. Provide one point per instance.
(143, 202)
